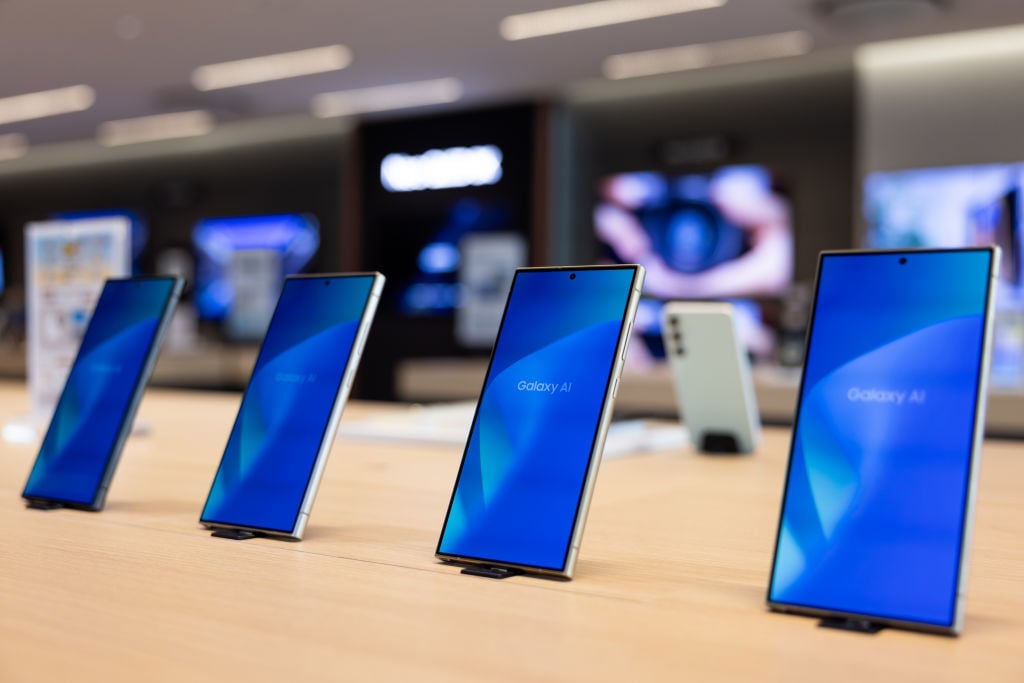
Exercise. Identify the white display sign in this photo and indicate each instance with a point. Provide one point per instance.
(487, 263)
(66, 264)
(441, 169)
(257, 276)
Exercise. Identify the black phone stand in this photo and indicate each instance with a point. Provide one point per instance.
(865, 626)
(43, 505)
(235, 534)
(491, 572)
(719, 442)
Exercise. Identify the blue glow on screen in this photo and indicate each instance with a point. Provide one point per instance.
(271, 453)
(522, 474)
(295, 236)
(876, 493)
(79, 443)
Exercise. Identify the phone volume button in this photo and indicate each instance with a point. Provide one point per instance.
(615, 388)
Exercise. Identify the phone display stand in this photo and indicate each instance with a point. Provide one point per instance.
(43, 505)
(865, 626)
(491, 572)
(235, 534)
(719, 442)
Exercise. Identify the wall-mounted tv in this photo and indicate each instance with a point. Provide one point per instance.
(955, 206)
(725, 233)
(217, 241)
(960, 206)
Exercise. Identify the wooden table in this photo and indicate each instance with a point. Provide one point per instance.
(670, 584)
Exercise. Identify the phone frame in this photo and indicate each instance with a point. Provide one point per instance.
(330, 429)
(736, 401)
(600, 430)
(127, 420)
(973, 470)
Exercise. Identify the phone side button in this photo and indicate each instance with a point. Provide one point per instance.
(615, 388)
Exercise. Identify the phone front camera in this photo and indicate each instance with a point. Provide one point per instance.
(903, 261)
(327, 283)
(572, 276)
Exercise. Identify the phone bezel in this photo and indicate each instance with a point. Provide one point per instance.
(113, 457)
(971, 484)
(326, 442)
(597, 443)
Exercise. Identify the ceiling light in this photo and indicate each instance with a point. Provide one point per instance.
(385, 97)
(316, 60)
(951, 47)
(182, 124)
(701, 55)
(13, 146)
(38, 105)
(594, 14)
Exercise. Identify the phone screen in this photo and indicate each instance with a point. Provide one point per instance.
(519, 489)
(875, 508)
(286, 411)
(95, 409)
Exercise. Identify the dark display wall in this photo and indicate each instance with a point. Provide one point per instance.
(171, 192)
(402, 232)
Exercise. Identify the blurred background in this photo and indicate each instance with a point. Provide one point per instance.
(722, 143)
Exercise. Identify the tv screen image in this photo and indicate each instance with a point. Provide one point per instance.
(720, 234)
(960, 206)
(217, 242)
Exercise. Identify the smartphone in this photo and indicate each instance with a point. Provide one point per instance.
(275, 456)
(711, 376)
(528, 470)
(879, 493)
(94, 413)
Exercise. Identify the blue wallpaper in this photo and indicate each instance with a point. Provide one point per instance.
(79, 445)
(878, 478)
(271, 453)
(519, 488)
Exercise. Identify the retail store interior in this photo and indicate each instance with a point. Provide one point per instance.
(851, 116)
(722, 144)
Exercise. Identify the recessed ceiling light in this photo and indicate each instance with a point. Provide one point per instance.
(13, 146)
(950, 47)
(271, 67)
(181, 124)
(701, 55)
(593, 14)
(39, 105)
(385, 97)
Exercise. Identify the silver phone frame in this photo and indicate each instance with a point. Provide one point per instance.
(340, 399)
(742, 393)
(981, 403)
(601, 433)
(128, 420)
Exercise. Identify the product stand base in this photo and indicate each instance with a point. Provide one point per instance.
(235, 534)
(43, 505)
(857, 625)
(719, 442)
(491, 572)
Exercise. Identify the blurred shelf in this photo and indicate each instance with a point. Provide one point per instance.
(649, 391)
(205, 367)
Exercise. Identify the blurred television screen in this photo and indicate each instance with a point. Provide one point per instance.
(722, 234)
(427, 256)
(218, 241)
(959, 206)
(956, 206)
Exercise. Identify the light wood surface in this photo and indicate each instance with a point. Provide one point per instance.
(670, 584)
